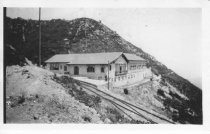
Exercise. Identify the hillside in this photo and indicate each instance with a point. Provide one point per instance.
(33, 97)
(84, 35)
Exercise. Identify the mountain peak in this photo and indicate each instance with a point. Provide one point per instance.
(85, 19)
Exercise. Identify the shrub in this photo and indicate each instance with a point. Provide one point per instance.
(175, 95)
(125, 91)
(114, 115)
(85, 118)
(161, 92)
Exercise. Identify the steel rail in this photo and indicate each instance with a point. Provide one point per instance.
(122, 101)
(134, 110)
(137, 113)
(123, 111)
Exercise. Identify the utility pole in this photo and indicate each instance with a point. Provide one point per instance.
(108, 75)
(39, 36)
(4, 68)
(85, 34)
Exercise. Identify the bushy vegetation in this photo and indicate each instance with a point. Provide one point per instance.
(192, 92)
(161, 92)
(125, 91)
(72, 87)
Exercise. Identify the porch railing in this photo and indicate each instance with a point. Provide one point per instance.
(121, 73)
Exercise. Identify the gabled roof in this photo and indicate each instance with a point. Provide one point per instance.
(91, 58)
(59, 58)
(85, 58)
(133, 57)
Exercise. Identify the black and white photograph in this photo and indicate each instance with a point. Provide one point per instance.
(74, 66)
(102, 65)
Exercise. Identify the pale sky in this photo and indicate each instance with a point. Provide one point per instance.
(171, 35)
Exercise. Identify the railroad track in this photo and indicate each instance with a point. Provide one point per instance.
(130, 110)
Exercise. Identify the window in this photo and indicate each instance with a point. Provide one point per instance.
(90, 69)
(54, 66)
(133, 67)
(76, 70)
(102, 69)
(110, 67)
(60, 67)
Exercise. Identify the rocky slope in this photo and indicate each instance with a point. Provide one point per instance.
(86, 35)
(32, 96)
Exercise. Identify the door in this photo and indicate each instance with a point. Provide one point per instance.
(120, 69)
(76, 70)
(65, 68)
